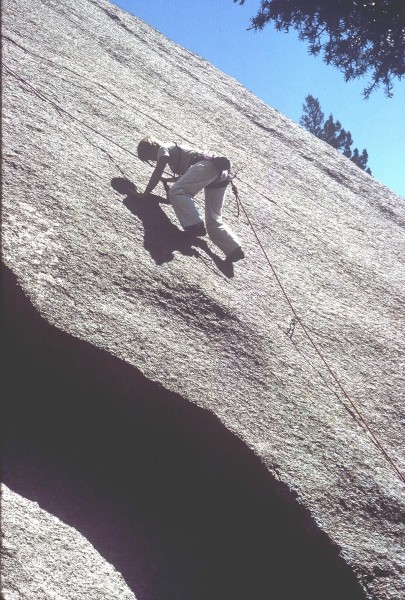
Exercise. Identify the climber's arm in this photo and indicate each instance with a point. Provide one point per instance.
(156, 175)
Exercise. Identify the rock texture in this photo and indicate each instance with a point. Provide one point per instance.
(167, 413)
(31, 532)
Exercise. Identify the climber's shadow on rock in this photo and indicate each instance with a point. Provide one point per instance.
(162, 237)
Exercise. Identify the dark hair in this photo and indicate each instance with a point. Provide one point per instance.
(145, 146)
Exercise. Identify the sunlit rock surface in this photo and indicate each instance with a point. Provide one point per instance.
(181, 436)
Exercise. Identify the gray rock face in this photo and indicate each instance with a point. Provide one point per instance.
(168, 415)
(32, 541)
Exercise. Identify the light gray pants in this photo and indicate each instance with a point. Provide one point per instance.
(181, 196)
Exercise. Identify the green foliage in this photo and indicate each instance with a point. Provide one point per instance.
(356, 36)
(360, 159)
(331, 131)
(312, 118)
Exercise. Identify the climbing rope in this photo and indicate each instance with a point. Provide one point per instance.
(297, 320)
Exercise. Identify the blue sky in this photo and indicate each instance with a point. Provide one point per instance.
(277, 68)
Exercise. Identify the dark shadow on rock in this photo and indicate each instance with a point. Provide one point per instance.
(161, 237)
(163, 491)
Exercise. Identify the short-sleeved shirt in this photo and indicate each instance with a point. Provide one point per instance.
(180, 157)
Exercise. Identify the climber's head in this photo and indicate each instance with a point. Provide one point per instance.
(148, 148)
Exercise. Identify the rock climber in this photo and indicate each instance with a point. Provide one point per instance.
(193, 170)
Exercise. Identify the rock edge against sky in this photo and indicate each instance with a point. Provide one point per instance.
(138, 359)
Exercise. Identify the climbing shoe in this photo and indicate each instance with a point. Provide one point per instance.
(235, 255)
(197, 229)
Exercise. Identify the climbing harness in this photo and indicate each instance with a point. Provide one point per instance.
(354, 412)
(221, 162)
